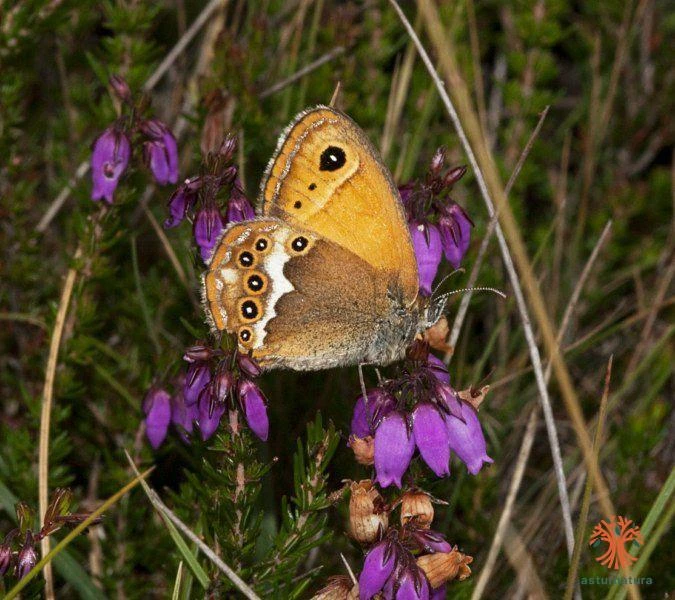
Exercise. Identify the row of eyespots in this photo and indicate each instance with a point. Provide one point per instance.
(247, 259)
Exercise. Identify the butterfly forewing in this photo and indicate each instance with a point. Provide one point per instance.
(326, 177)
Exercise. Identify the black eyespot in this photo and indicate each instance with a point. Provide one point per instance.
(312, 186)
(249, 309)
(297, 204)
(246, 259)
(245, 335)
(332, 158)
(299, 243)
(261, 245)
(255, 283)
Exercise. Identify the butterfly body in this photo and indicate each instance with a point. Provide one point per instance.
(327, 275)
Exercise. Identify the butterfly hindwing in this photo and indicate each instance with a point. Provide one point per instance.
(292, 298)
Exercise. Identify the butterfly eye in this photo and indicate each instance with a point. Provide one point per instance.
(332, 159)
(245, 334)
(246, 259)
(249, 310)
(261, 244)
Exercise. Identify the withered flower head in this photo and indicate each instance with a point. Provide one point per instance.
(442, 567)
(363, 448)
(368, 516)
(339, 587)
(416, 506)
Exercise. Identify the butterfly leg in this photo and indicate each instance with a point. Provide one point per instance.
(363, 385)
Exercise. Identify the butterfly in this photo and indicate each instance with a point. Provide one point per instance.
(326, 275)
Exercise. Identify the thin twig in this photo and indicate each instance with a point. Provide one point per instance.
(152, 81)
(513, 276)
(46, 414)
(349, 569)
(466, 298)
(516, 479)
(238, 582)
(586, 502)
(280, 85)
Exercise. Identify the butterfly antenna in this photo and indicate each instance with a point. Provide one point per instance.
(437, 306)
(442, 281)
(474, 289)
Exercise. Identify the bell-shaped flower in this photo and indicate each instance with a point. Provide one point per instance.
(426, 240)
(207, 228)
(182, 415)
(238, 207)
(467, 440)
(254, 405)
(411, 584)
(210, 413)
(197, 378)
(157, 408)
(109, 159)
(377, 568)
(455, 226)
(369, 412)
(160, 151)
(182, 201)
(431, 437)
(394, 447)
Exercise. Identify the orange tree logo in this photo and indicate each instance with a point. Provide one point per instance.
(615, 535)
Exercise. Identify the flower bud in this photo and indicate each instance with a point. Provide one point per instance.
(445, 566)
(248, 365)
(453, 176)
(416, 505)
(367, 512)
(196, 353)
(5, 558)
(120, 87)
(437, 162)
(363, 448)
(27, 557)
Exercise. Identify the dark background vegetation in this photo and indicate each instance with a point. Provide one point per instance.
(604, 152)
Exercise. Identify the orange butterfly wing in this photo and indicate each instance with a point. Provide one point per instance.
(326, 177)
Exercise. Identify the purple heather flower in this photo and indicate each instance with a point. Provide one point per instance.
(157, 408)
(377, 568)
(438, 593)
(239, 208)
(455, 226)
(210, 413)
(160, 151)
(431, 437)
(196, 379)
(254, 405)
(426, 240)
(365, 421)
(5, 558)
(248, 365)
(438, 368)
(27, 557)
(182, 415)
(450, 400)
(412, 584)
(431, 541)
(467, 439)
(109, 159)
(182, 201)
(208, 226)
(394, 447)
